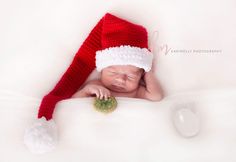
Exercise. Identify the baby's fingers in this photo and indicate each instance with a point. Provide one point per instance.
(104, 93)
(101, 94)
(107, 94)
(97, 94)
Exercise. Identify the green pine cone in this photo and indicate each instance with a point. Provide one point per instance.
(105, 106)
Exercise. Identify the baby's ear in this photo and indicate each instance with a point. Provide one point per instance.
(143, 73)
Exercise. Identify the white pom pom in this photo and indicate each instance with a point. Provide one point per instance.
(41, 136)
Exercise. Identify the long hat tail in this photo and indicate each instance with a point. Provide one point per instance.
(77, 73)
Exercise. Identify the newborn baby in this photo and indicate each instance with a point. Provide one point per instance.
(123, 81)
(123, 59)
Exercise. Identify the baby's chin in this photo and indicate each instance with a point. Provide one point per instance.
(120, 89)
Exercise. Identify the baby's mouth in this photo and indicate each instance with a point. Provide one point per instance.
(116, 87)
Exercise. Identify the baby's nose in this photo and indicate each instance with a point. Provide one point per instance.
(121, 78)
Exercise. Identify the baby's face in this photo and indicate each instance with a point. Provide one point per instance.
(121, 78)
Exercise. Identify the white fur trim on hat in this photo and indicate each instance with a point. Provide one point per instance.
(41, 137)
(124, 55)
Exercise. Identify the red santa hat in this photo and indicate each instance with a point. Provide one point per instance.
(113, 41)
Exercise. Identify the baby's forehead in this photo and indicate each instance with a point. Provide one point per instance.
(129, 68)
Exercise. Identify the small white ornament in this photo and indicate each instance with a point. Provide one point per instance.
(186, 121)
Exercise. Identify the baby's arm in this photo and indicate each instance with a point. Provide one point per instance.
(152, 91)
(92, 88)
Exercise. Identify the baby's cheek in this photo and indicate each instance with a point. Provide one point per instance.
(105, 78)
(133, 85)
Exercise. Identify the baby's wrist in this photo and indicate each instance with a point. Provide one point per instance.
(85, 91)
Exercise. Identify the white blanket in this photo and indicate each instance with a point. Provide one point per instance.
(138, 130)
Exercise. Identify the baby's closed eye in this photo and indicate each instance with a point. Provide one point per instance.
(133, 77)
(112, 73)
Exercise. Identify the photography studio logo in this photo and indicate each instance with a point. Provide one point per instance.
(167, 50)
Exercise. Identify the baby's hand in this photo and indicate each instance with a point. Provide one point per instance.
(100, 91)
